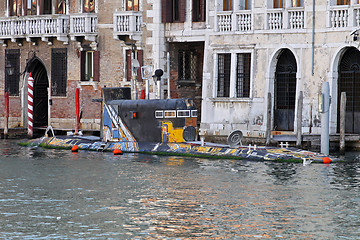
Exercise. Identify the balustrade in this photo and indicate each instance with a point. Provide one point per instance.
(127, 22)
(339, 17)
(34, 26)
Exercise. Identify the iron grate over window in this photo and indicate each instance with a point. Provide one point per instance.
(12, 71)
(243, 75)
(224, 66)
(188, 66)
(58, 71)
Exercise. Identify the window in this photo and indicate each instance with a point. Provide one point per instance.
(159, 114)
(343, 2)
(46, 7)
(227, 5)
(29, 7)
(12, 70)
(58, 71)
(194, 113)
(172, 11)
(224, 65)
(61, 7)
(245, 4)
(139, 56)
(243, 75)
(170, 114)
(188, 66)
(132, 5)
(89, 6)
(297, 3)
(278, 4)
(198, 10)
(15, 7)
(89, 65)
(236, 85)
(183, 113)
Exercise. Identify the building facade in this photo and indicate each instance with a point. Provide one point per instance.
(234, 58)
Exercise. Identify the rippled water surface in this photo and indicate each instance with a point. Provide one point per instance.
(55, 194)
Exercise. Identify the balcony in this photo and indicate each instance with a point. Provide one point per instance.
(28, 27)
(127, 23)
(83, 25)
(239, 21)
(291, 18)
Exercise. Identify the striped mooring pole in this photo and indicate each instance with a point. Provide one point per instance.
(30, 105)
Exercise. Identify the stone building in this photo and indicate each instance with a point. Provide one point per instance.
(285, 48)
(229, 56)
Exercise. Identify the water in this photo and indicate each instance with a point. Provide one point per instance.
(55, 194)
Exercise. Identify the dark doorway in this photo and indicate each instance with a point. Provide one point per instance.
(349, 82)
(285, 91)
(41, 85)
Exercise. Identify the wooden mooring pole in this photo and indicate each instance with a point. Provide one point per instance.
(268, 123)
(342, 121)
(299, 120)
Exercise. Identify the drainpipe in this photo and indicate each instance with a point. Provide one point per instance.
(313, 38)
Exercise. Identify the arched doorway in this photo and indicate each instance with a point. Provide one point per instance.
(41, 85)
(349, 82)
(285, 91)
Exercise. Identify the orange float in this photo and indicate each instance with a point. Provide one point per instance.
(117, 152)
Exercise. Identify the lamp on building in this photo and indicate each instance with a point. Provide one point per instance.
(9, 69)
(355, 34)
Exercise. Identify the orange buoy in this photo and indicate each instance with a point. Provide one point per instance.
(117, 152)
(326, 160)
(75, 148)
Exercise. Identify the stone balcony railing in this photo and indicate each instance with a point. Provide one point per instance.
(49, 26)
(276, 19)
(83, 25)
(344, 16)
(280, 18)
(239, 21)
(45, 26)
(127, 23)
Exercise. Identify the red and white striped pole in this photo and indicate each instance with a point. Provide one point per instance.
(77, 102)
(6, 128)
(30, 105)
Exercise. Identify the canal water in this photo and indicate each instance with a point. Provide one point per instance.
(56, 194)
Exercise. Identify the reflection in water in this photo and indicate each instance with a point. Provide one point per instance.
(91, 195)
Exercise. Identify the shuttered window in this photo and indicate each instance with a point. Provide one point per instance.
(139, 57)
(343, 2)
(90, 66)
(278, 4)
(58, 71)
(227, 5)
(172, 11)
(12, 71)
